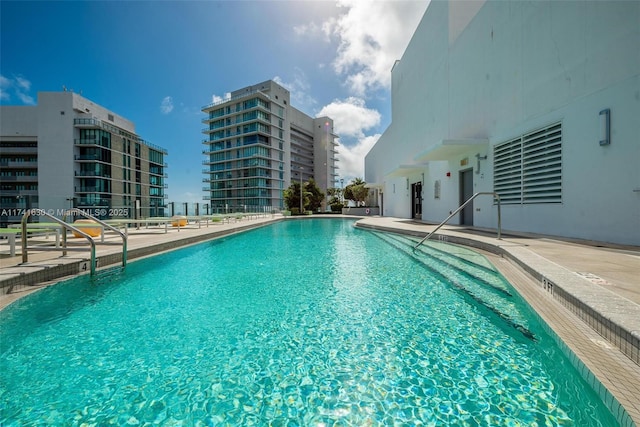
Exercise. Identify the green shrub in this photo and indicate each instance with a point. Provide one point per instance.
(336, 207)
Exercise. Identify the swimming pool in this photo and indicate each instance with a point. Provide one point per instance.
(305, 322)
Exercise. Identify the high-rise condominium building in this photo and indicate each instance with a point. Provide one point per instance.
(257, 144)
(66, 151)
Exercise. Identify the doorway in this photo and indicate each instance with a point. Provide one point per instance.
(466, 191)
(416, 199)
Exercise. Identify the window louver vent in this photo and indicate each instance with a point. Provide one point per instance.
(528, 169)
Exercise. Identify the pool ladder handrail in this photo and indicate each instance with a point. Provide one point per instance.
(66, 226)
(102, 223)
(488, 193)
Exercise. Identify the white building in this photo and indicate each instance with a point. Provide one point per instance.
(67, 151)
(538, 101)
(258, 144)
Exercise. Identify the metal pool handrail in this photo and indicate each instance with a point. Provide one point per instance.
(104, 224)
(497, 197)
(42, 212)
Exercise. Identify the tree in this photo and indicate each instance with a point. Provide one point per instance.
(356, 191)
(292, 196)
(312, 196)
(334, 193)
(335, 200)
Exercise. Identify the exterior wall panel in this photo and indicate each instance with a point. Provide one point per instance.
(506, 69)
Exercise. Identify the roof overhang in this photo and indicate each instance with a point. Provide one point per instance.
(374, 186)
(447, 149)
(406, 170)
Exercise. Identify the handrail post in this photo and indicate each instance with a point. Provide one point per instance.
(494, 194)
(23, 240)
(497, 196)
(104, 224)
(65, 226)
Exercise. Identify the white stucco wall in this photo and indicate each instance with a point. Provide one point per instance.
(55, 149)
(500, 69)
(56, 112)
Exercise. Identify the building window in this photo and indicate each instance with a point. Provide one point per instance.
(528, 169)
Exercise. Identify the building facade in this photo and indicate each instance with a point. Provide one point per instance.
(258, 144)
(538, 102)
(67, 151)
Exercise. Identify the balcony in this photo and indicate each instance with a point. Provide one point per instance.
(161, 164)
(91, 190)
(18, 165)
(84, 202)
(87, 123)
(19, 178)
(90, 174)
(235, 98)
(20, 193)
(90, 158)
(156, 172)
(94, 142)
(19, 150)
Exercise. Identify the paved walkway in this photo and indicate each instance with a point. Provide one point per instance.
(588, 293)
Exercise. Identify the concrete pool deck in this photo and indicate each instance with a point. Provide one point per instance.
(588, 293)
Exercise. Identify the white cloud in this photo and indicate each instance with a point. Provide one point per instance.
(215, 98)
(17, 87)
(372, 35)
(23, 83)
(304, 29)
(299, 89)
(166, 106)
(350, 117)
(352, 158)
(26, 99)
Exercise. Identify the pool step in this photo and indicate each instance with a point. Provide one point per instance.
(462, 261)
(107, 275)
(464, 276)
(453, 269)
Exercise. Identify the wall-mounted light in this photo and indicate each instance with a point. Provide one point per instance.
(478, 158)
(605, 127)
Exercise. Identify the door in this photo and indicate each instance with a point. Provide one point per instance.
(466, 191)
(416, 199)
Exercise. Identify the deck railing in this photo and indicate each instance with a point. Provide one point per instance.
(462, 206)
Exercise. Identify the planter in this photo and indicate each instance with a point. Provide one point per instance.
(365, 211)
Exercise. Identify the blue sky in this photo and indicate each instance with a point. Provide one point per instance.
(157, 63)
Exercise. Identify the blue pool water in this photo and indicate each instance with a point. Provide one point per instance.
(309, 323)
